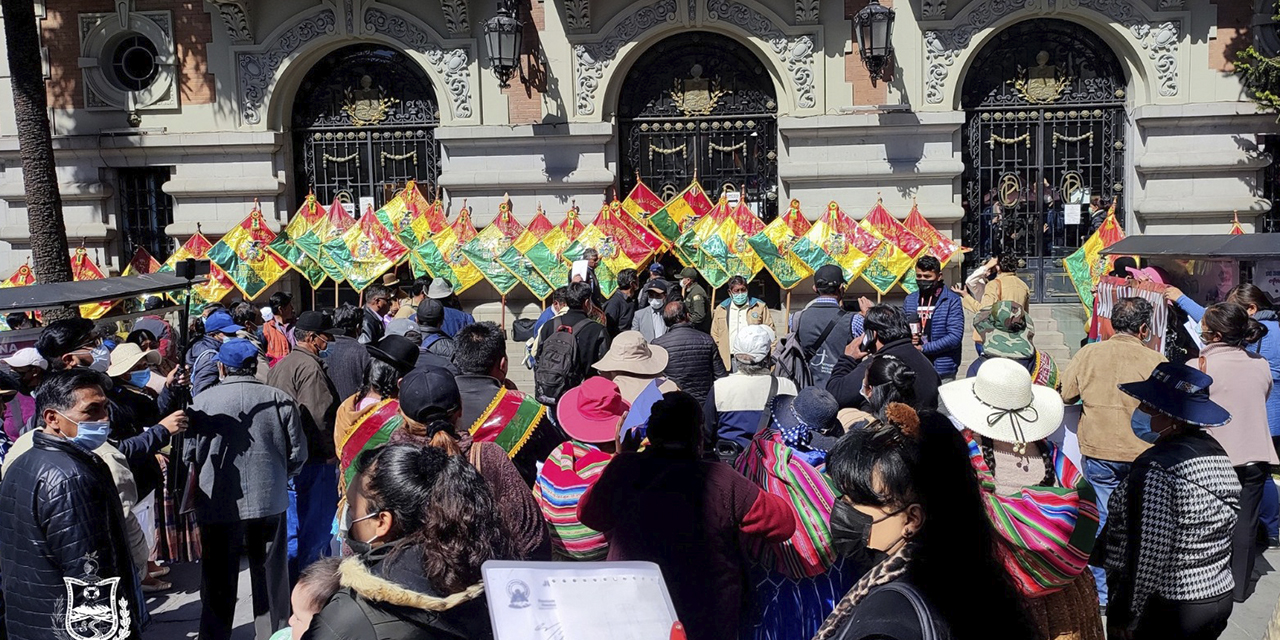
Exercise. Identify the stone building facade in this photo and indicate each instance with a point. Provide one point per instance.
(174, 115)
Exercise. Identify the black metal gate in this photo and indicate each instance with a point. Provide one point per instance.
(1044, 143)
(364, 124)
(701, 104)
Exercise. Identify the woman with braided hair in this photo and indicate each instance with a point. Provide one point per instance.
(430, 405)
(911, 505)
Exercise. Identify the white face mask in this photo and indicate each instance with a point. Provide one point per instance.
(655, 303)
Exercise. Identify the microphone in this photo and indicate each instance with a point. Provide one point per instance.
(914, 321)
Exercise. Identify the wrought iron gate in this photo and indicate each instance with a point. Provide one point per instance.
(364, 124)
(1044, 144)
(701, 104)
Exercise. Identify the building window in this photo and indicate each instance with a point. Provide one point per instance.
(145, 211)
(133, 63)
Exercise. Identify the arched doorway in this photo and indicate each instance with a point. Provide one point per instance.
(700, 104)
(364, 122)
(1044, 144)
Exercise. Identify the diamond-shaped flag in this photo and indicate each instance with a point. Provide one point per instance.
(486, 249)
(736, 230)
(82, 269)
(441, 256)
(22, 277)
(287, 248)
(613, 222)
(836, 239)
(336, 222)
(218, 284)
(936, 244)
(571, 226)
(373, 250)
(775, 245)
(546, 255)
(463, 229)
(401, 215)
(891, 260)
(518, 264)
(141, 263)
(687, 246)
(242, 253)
(642, 202)
(612, 258)
(681, 213)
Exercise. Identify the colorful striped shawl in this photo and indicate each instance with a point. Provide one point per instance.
(567, 474)
(508, 421)
(1044, 371)
(373, 428)
(773, 467)
(1046, 533)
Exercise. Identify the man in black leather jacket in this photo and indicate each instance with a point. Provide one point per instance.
(63, 527)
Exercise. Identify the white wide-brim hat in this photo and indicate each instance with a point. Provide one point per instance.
(1001, 403)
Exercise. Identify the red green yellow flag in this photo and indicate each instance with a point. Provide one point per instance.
(218, 284)
(730, 244)
(82, 269)
(441, 256)
(403, 214)
(897, 251)
(242, 253)
(372, 247)
(643, 234)
(486, 249)
(515, 260)
(776, 243)
(141, 263)
(540, 225)
(20, 278)
(335, 223)
(571, 226)
(286, 246)
(1236, 229)
(463, 229)
(546, 256)
(936, 244)
(431, 220)
(619, 229)
(836, 239)
(681, 213)
(1086, 265)
(612, 259)
(642, 202)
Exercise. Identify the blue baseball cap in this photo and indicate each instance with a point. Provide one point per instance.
(220, 322)
(236, 352)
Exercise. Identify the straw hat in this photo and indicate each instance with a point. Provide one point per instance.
(629, 353)
(126, 355)
(1001, 403)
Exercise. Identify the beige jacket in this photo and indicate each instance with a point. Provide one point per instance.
(125, 486)
(1106, 431)
(1241, 384)
(1005, 286)
(757, 313)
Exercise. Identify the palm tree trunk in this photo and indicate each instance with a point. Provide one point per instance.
(49, 251)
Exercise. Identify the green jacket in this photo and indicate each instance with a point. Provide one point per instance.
(699, 305)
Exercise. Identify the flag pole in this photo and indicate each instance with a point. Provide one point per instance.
(504, 312)
(788, 305)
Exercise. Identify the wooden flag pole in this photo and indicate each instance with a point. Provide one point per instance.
(788, 306)
(313, 298)
(504, 312)
(335, 294)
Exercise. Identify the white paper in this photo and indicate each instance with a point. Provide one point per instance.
(350, 208)
(579, 269)
(578, 601)
(366, 204)
(1071, 212)
(1193, 329)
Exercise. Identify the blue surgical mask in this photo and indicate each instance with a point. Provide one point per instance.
(140, 378)
(323, 354)
(90, 435)
(739, 299)
(101, 359)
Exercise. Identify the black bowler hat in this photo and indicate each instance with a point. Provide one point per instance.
(315, 322)
(397, 351)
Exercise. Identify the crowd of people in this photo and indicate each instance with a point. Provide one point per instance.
(827, 475)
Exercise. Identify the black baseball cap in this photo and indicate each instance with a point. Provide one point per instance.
(429, 393)
(316, 322)
(829, 274)
(430, 312)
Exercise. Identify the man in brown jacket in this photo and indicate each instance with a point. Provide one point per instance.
(302, 375)
(1108, 443)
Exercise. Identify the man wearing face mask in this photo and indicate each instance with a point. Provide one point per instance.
(64, 519)
(738, 311)
(303, 376)
(72, 343)
(940, 330)
(246, 441)
(886, 332)
(1108, 443)
(218, 327)
(620, 309)
(648, 320)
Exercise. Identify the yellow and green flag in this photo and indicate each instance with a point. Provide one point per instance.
(441, 256)
(82, 269)
(218, 284)
(681, 213)
(515, 260)
(486, 249)
(1085, 266)
(836, 239)
(242, 253)
(405, 215)
(336, 222)
(372, 249)
(895, 256)
(776, 243)
(287, 248)
(546, 256)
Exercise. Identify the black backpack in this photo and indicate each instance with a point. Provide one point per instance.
(556, 370)
(791, 358)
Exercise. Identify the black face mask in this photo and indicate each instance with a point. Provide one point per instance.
(928, 287)
(850, 530)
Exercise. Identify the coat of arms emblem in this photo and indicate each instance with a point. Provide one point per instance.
(1042, 83)
(366, 105)
(696, 95)
(94, 611)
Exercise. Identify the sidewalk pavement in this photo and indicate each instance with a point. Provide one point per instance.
(176, 613)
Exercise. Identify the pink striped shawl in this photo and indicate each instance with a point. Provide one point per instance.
(1046, 533)
(771, 465)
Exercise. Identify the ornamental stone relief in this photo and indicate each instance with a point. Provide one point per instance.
(796, 51)
(933, 9)
(591, 60)
(1160, 40)
(235, 15)
(807, 11)
(257, 70)
(455, 17)
(578, 14)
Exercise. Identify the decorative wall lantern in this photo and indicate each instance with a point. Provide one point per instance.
(503, 36)
(874, 29)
